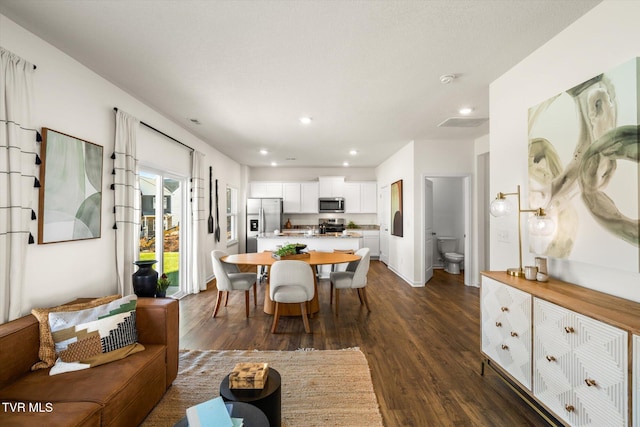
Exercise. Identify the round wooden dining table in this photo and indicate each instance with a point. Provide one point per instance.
(315, 258)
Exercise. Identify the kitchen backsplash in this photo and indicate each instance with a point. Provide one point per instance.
(366, 221)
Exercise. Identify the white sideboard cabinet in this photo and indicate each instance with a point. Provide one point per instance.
(581, 349)
(580, 367)
(506, 328)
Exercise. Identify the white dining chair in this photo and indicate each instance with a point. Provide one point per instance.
(290, 282)
(229, 278)
(355, 277)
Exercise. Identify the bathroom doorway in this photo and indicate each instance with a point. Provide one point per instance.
(449, 212)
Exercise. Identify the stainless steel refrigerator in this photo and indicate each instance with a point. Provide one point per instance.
(263, 216)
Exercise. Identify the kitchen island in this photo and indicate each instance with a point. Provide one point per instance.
(314, 242)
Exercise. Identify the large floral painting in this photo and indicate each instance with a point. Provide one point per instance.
(71, 191)
(583, 170)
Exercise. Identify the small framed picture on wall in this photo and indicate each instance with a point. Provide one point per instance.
(396, 209)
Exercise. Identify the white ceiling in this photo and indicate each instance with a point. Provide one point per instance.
(366, 71)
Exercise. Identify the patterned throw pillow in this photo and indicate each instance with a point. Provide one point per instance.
(47, 352)
(94, 336)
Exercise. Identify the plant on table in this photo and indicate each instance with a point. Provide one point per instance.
(163, 283)
(290, 249)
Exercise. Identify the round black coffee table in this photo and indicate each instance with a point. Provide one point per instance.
(266, 399)
(251, 416)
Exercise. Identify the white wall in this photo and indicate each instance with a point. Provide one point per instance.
(439, 158)
(412, 164)
(481, 201)
(401, 249)
(604, 38)
(72, 99)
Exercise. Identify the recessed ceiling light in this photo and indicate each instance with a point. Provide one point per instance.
(353, 152)
(195, 121)
(465, 111)
(306, 120)
(345, 164)
(274, 164)
(264, 152)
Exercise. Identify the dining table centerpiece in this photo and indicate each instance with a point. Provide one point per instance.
(291, 251)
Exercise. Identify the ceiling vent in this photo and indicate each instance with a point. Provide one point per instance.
(462, 122)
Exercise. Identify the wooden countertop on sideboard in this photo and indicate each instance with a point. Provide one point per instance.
(616, 311)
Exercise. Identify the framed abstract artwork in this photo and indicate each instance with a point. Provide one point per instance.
(583, 170)
(71, 188)
(396, 209)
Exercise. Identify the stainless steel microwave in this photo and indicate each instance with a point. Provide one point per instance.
(331, 205)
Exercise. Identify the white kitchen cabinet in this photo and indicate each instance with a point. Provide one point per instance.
(300, 197)
(331, 186)
(371, 240)
(265, 189)
(351, 192)
(580, 367)
(369, 197)
(361, 197)
(291, 200)
(309, 197)
(506, 328)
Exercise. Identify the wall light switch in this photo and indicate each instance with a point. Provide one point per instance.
(503, 236)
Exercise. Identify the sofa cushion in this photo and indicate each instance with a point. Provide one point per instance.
(127, 389)
(94, 336)
(47, 351)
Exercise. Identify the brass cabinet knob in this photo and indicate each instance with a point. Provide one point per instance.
(590, 382)
(505, 347)
(569, 408)
(503, 309)
(551, 358)
(514, 334)
(499, 324)
(569, 329)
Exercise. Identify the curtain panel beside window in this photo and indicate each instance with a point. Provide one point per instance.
(18, 179)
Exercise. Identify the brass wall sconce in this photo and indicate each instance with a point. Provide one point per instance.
(539, 224)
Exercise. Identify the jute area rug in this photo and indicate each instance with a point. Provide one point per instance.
(319, 387)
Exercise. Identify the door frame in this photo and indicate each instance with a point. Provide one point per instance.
(185, 232)
(468, 235)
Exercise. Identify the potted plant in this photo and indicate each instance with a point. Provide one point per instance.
(289, 250)
(163, 283)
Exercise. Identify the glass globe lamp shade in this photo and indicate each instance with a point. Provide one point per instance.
(500, 207)
(541, 226)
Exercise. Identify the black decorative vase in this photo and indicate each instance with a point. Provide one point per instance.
(145, 280)
(161, 294)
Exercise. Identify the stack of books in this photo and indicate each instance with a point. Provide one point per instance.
(213, 413)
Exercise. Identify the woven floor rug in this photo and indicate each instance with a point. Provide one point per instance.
(319, 387)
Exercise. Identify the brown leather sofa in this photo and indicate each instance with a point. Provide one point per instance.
(119, 393)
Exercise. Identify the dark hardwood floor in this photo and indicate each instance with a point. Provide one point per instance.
(422, 345)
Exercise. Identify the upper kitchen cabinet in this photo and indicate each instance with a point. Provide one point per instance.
(265, 189)
(360, 197)
(309, 193)
(331, 186)
(369, 197)
(300, 197)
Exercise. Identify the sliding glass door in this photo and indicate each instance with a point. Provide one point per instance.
(163, 209)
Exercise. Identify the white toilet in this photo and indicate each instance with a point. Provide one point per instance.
(453, 261)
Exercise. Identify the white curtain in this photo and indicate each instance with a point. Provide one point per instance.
(127, 200)
(198, 225)
(18, 169)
